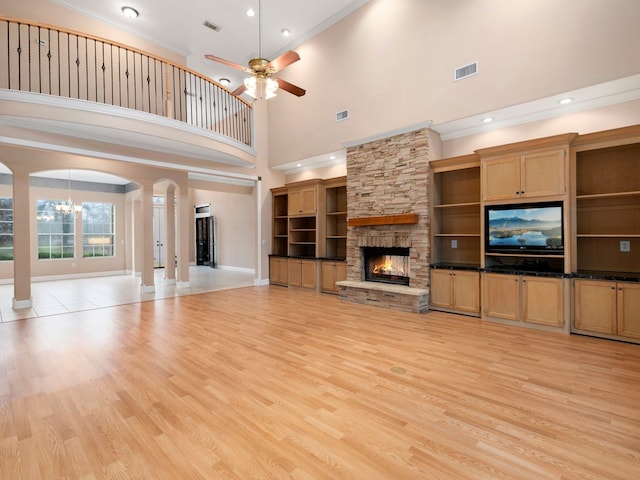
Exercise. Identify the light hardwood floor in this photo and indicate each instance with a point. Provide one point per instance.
(277, 383)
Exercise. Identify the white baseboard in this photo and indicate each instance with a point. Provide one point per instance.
(236, 269)
(71, 276)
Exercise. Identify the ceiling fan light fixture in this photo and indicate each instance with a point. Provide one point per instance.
(130, 12)
(262, 88)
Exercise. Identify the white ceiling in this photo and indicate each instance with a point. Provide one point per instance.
(178, 26)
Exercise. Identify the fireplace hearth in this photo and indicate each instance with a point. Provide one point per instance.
(386, 265)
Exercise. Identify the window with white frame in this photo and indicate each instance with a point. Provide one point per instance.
(6, 228)
(55, 228)
(98, 229)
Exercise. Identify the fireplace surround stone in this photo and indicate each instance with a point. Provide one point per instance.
(388, 178)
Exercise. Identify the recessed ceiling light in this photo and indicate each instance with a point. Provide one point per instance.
(332, 157)
(487, 120)
(130, 12)
(298, 164)
(251, 12)
(565, 101)
(224, 81)
(286, 32)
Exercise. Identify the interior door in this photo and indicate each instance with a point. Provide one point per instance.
(158, 236)
(202, 241)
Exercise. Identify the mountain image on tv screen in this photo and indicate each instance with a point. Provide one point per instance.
(527, 227)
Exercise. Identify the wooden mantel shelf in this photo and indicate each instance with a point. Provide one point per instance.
(403, 219)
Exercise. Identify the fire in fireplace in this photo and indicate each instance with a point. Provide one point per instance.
(388, 265)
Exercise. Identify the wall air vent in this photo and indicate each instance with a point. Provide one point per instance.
(465, 71)
(343, 115)
(212, 26)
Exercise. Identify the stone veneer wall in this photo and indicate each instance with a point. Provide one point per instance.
(390, 177)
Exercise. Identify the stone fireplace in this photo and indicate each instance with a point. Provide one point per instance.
(387, 208)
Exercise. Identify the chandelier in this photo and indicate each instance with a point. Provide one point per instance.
(68, 206)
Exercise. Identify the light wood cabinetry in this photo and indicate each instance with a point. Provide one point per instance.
(455, 211)
(543, 301)
(278, 271)
(524, 176)
(309, 226)
(303, 201)
(607, 307)
(456, 290)
(336, 218)
(608, 209)
(302, 273)
(331, 273)
(280, 225)
(524, 298)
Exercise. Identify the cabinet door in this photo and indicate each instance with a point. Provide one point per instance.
(543, 174)
(441, 289)
(303, 201)
(501, 297)
(295, 202)
(543, 301)
(278, 271)
(501, 178)
(295, 273)
(309, 203)
(308, 274)
(629, 310)
(595, 306)
(466, 291)
(328, 274)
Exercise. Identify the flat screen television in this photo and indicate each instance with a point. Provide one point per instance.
(532, 228)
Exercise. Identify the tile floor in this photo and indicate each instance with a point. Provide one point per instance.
(62, 296)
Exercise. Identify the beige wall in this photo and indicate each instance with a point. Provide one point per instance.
(392, 61)
(235, 210)
(595, 120)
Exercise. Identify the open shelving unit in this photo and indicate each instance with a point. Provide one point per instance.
(280, 224)
(336, 222)
(456, 212)
(608, 209)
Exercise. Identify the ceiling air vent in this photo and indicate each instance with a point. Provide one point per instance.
(343, 115)
(212, 26)
(465, 71)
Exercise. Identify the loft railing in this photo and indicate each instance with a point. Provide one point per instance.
(49, 60)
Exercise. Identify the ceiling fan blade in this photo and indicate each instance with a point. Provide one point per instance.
(287, 58)
(290, 87)
(225, 62)
(240, 90)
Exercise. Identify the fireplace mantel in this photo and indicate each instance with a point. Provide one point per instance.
(403, 219)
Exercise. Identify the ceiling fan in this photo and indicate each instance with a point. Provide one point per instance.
(260, 84)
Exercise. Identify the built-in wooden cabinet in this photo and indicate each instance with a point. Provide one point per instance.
(607, 307)
(607, 203)
(455, 290)
(336, 218)
(309, 226)
(303, 273)
(332, 272)
(524, 298)
(456, 211)
(280, 225)
(524, 176)
(278, 271)
(303, 201)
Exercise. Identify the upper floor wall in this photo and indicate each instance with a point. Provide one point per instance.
(391, 64)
